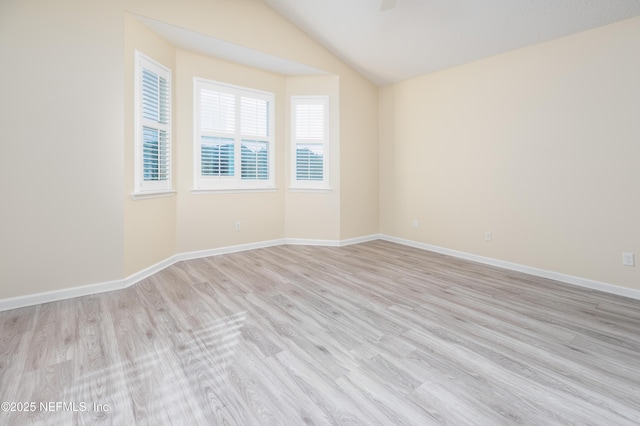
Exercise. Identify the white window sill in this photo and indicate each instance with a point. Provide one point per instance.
(302, 189)
(232, 190)
(153, 194)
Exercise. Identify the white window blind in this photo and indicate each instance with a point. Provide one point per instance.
(217, 111)
(153, 126)
(234, 137)
(254, 117)
(309, 141)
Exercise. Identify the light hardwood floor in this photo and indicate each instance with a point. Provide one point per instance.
(374, 333)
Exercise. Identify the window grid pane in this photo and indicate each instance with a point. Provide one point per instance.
(254, 117)
(309, 162)
(217, 156)
(154, 154)
(150, 96)
(217, 111)
(255, 160)
(309, 121)
(163, 87)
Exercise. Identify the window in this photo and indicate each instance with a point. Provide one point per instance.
(309, 142)
(152, 126)
(234, 141)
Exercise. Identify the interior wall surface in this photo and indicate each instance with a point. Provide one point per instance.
(538, 146)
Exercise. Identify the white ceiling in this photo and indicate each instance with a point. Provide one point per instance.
(417, 37)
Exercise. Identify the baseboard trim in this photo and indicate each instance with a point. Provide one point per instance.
(359, 240)
(557, 276)
(331, 243)
(311, 242)
(147, 272)
(226, 250)
(56, 295)
(87, 290)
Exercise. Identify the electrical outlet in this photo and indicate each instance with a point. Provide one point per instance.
(488, 236)
(628, 259)
(415, 223)
(237, 226)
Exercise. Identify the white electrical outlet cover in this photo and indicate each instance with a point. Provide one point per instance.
(628, 259)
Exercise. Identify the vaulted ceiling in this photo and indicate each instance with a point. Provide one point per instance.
(393, 40)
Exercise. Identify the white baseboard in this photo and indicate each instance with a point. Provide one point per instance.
(359, 240)
(311, 242)
(147, 272)
(557, 276)
(226, 250)
(66, 293)
(86, 290)
(331, 243)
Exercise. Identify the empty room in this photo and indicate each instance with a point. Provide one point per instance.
(287, 212)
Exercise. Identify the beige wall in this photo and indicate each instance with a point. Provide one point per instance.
(358, 158)
(61, 132)
(272, 34)
(315, 214)
(67, 218)
(539, 146)
(149, 224)
(207, 221)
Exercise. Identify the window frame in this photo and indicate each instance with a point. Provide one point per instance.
(144, 187)
(310, 185)
(236, 182)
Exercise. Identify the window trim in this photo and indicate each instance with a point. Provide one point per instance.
(310, 185)
(142, 188)
(208, 184)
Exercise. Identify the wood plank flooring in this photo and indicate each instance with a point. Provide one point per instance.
(374, 333)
